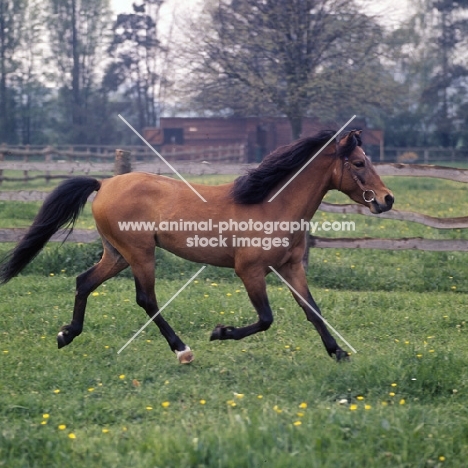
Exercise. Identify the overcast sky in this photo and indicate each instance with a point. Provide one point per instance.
(395, 10)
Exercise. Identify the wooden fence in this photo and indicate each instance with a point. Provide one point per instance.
(458, 175)
(414, 243)
(60, 163)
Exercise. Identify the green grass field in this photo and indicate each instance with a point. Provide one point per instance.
(274, 399)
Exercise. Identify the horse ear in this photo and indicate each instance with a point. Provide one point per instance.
(352, 133)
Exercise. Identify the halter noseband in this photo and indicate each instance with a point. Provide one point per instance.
(358, 182)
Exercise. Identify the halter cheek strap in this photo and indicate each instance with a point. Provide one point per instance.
(367, 194)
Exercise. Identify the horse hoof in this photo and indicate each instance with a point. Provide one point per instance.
(186, 356)
(217, 333)
(342, 356)
(63, 339)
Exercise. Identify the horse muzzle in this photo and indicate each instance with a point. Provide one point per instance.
(377, 207)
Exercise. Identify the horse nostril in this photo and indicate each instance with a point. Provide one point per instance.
(389, 199)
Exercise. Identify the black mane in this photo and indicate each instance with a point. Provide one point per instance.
(256, 184)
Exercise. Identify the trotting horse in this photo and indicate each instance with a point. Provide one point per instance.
(237, 213)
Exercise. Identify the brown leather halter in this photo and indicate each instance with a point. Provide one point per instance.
(358, 182)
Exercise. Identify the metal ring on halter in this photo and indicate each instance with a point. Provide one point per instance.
(364, 196)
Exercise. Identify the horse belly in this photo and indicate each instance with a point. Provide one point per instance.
(199, 247)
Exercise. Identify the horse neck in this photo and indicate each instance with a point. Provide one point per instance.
(305, 193)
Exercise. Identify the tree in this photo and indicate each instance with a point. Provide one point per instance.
(78, 42)
(432, 70)
(11, 17)
(290, 58)
(32, 96)
(140, 62)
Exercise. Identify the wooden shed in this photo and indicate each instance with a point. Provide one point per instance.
(258, 136)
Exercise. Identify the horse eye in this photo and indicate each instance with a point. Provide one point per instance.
(359, 164)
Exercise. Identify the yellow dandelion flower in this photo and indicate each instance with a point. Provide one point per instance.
(300, 415)
(71, 436)
(214, 284)
(360, 398)
(149, 408)
(431, 350)
(287, 346)
(62, 427)
(441, 458)
(46, 416)
(206, 295)
(303, 405)
(165, 404)
(367, 407)
(297, 423)
(122, 376)
(95, 293)
(239, 395)
(402, 401)
(166, 382)
(51, 274)
(260, 397)
(384, 403)
(202, 402)
(105, 431)
(353, 407)
(56, 390)
(419, 356)
(277, 409)
(392, 393)
(44, 422)
(228, 294)
(91, 389)
(394, 384)
(397, 340)
(238, 290)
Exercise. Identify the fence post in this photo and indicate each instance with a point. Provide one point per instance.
(2, 158)
(305, 258)
(122, 163)
(48, 159)
(26, 159)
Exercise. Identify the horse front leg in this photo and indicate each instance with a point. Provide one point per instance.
(256, 289)
(294, 275)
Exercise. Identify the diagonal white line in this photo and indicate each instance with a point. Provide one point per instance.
(162, 159)
(161, 309)
(311, 308)
(311, 159)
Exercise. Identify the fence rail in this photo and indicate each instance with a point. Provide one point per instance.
(235, 153)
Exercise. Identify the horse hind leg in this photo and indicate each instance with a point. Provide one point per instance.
(143, 271)
(111, 263)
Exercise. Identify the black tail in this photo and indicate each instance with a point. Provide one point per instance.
(61, 208)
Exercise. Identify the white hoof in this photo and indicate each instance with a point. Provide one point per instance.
(186, 356)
